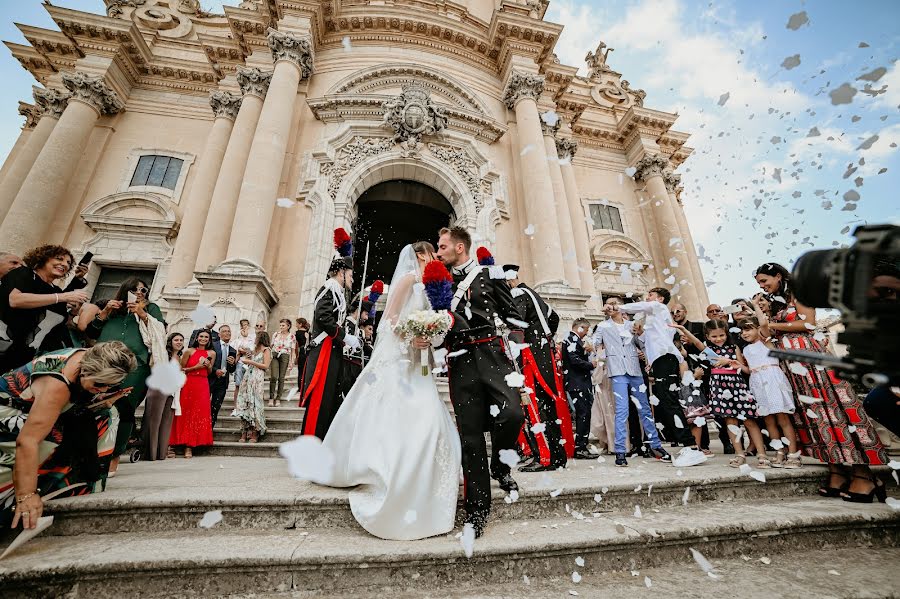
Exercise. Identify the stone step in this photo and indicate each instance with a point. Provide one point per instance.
(262, 449)
(255, 493)
(347, 561)
(282, 422)
(273, 435)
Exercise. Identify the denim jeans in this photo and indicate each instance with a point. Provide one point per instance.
(623, 385)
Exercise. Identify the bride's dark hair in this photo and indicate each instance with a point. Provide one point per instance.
(423, 247)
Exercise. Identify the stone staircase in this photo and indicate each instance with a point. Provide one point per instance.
(280, 537)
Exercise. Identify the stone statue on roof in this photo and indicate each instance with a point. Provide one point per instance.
(596, 60)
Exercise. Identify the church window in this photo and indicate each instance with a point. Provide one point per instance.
(606, 217)
(157, 171)
(111, 279)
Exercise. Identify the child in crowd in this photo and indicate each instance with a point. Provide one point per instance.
(729, 395)
(773, 394)
(693, 396)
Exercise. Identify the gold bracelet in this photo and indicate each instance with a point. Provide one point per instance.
(24, 497)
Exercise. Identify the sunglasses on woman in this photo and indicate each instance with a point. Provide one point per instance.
(141, 289)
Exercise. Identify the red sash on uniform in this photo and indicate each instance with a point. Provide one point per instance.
(532, 413)
(317, 387)
(562, 407)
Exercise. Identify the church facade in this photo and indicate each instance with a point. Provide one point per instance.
(214, 154)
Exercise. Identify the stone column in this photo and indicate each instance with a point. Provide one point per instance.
(676, 272)
(50, 105)
(190, 234)
(216, 232)
(672, 182)
(256, 202)
(565, 152)
(521, 94)
(32, 116)
(31, 212)
(561, 204)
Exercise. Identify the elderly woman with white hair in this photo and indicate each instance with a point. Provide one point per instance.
(57, 428)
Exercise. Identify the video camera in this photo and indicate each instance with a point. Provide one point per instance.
(863, 282)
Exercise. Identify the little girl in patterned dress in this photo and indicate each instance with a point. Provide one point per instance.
(773, 394)
(729, 396)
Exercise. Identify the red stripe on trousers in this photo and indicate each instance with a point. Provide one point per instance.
(317, 387)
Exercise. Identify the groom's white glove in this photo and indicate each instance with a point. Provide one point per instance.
(352, 342)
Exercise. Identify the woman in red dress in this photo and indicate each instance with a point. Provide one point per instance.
(831, 424)
(193, 428)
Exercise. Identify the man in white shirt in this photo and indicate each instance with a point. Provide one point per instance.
(664, 359)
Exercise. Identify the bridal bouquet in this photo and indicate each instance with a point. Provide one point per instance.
(425, 323)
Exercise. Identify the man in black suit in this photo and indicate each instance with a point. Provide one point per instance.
(478, 369)
(577, 369)
(537, 364)
(223, 366)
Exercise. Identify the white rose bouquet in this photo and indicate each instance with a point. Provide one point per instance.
(424, 323)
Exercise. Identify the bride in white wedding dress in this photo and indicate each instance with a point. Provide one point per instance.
(393, 437)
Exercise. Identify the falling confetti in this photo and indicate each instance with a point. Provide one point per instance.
(346, 43)
(467, 540)
(842, 95)
(210, 519)
(684, 498)
(550, 118)
(797, 20)
(529, 230)
(510, 457)
(576, 577)
(202, 315)
(166, 377)
(868, 143)
(724, 98)
(284, 202)
(579, 561)
(308, 459)
(791, 62)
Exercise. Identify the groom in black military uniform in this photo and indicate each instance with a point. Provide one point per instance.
(540, 377)
(482, 398)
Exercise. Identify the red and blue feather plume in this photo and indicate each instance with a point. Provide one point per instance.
(484, 256)
(438, 285)
(375, 292)
(343, 243)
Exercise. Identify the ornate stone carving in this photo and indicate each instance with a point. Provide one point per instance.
(637, 95)
(253, 81)
(297, 49)
(651, 165)
(548, 129)
(51, 102)
(115, 8)
(671, 180)
(522, 85)
(31, 113)
(460, 161)
(225, 104)
(411, 115)
(190, 7)
(93, 91)
(566, 148)
(596, 60)
(349, 156)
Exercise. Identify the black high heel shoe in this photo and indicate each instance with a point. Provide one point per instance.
(879, 491)
(826, 491)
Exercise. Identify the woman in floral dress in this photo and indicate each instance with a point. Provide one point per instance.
(831, 424)
(249, 407)
(55, 431)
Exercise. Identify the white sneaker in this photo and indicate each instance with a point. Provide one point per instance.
(689, 457)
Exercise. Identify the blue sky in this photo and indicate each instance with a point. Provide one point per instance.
(687, 55)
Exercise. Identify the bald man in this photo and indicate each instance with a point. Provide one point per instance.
(8, 262)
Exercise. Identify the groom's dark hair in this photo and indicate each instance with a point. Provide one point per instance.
(458, 235)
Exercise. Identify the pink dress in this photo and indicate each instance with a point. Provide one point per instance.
(194, 427)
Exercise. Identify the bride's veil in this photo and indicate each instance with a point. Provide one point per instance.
(402, 298)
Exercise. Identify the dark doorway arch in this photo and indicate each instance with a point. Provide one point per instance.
(391, 215)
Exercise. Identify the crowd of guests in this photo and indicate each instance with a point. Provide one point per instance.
(647, 372)
(75, 372)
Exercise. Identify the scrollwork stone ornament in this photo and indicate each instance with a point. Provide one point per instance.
(651, 165)
(566, 148)
(522, 85)
(31, 113)
(225, 104)
(94, 92)
(349, 156)
(253, 81)
(411, 115)
(116, 8)
(51, 102)
(671, 180)
(296, 49)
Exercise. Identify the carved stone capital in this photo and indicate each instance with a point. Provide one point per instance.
(297, 49)
(51, 102)
(522, 85)
(31, 113)
(672, 181)
(651, 165)
(566, 148)
(225, 104)
(548, 129)
(93, 91)
(253, 81)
